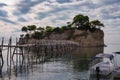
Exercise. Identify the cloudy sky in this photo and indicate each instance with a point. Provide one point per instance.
(17, 13)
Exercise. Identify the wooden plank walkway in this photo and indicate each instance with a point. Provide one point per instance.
(46, 44)
(42, 50)
(26, 45)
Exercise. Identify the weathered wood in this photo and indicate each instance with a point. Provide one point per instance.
(17, 50)
(43, 47)
(1, 56)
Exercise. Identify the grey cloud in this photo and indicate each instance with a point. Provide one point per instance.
(63, 1)
(2, 4)
(106, 16)
(25, 5)
(108, 12)
(3, 13)
(22, 20)
(84, 7)
(60, 12)
(110, 1)
(16, 30)
(8, 21)
(42, 15)
(57, 9)
(62, 18)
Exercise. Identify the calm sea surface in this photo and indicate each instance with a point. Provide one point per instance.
(72, 65)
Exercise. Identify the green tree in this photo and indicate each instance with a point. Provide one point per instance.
(31, 28)
(96, 23)
(63, 28)
(49, 29)
(27, 36)
(57, 29)
(37, 35)
(22, 35)
(40, 29)
(69, 25)
(81, 21)
(24, 29)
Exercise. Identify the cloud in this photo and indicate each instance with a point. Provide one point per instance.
(8, 21)
(22, 20)
(2, 4)
(24, 6)
(63, 1)
(105, 2)
(58, 12)
(3, 13)
(41, 7)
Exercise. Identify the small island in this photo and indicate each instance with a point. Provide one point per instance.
(87, 33)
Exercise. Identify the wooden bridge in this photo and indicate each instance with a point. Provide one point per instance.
(38, 46)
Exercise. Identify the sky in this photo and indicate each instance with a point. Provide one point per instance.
(15, 14)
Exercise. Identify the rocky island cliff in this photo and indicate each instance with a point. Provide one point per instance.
(86, 33)
(84, 38)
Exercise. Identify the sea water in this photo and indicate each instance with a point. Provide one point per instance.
(65, 66)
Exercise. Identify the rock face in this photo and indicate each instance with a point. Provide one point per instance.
(85, 38)
(66, 35)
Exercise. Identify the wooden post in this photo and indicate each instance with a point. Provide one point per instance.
(9, 56)
(8, 51)
(1, 56)
(18, 51)
(1, 48)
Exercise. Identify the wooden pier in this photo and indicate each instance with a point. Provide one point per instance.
(42, 47)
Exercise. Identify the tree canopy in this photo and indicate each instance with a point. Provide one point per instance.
(24, 29)
(31, 27)
(80, 22)
(96, 23)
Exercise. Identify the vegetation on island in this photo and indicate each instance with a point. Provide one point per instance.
(80, 22)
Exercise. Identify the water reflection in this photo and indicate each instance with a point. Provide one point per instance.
(51, 65)
(83, 57)
(1, 65)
